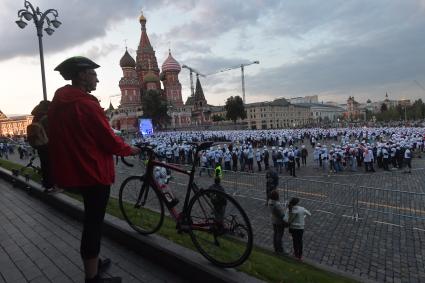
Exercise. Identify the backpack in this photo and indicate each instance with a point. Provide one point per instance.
(36, 131)
(36, 134)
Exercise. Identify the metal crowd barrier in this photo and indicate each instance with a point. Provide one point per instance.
(402, 196)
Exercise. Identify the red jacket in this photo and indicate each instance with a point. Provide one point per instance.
(81, 142)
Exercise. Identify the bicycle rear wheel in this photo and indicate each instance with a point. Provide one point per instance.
(141, 205)
(220, 228)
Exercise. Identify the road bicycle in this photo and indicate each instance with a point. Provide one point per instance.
(218, 226)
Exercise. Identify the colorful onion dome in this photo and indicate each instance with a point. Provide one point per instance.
(170, 64)
(127, 61)
(142, 18)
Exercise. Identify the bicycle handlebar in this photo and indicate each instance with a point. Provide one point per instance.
(150, 149)
(143, 147)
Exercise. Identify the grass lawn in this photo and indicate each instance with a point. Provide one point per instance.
(262, 263)
(31, 172)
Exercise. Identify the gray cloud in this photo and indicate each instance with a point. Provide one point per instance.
(394, 56)
(214, 18)
(81, 21)
(96, 52)
(339, 47)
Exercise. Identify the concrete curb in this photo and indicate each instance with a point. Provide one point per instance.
(185, 262)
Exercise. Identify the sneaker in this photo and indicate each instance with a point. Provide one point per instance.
(53, 190)
(47, 190)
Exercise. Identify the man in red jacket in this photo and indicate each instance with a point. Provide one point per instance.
(81, 148)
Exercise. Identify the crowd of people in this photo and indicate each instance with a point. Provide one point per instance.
(333, 150)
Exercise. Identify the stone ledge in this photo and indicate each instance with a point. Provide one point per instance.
(183, 261)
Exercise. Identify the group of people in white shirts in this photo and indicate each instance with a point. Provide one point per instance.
(333, 149)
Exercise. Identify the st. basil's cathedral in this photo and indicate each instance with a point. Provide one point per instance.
(142, 75)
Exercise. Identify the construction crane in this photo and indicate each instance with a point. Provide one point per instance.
(242, 66)
(192, 70)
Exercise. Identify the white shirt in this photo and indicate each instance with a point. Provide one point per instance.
(296, 217)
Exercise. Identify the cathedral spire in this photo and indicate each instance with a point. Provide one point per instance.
(144, 39)
(199, 92)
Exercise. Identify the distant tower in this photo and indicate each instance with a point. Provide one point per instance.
(146, 59)
(199, 99)
(199, 106)
(129, 84)
(170, 78)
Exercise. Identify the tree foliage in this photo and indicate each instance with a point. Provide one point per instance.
(416, 111)
(217, 118)
(154, 106)
(235, 108)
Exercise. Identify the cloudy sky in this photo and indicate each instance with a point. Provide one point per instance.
(332, 48)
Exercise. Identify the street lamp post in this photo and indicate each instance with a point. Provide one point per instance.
(29, 13)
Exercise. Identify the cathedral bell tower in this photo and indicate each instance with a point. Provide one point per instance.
(146, 63)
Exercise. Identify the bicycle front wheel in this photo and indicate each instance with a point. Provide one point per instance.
(141, 205)
(220, 228)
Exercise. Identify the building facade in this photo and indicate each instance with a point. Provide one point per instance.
(324, 112)
(276, 114)
(353, 110)
(14, 126)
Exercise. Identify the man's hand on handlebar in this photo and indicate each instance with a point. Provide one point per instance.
(135, 150)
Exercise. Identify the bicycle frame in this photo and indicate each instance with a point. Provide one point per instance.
(208, 226)
(152, 162)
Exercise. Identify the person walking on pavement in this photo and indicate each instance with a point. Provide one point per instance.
(219, 203)
(266, 158)
(296, 222)
(385, 158)
(235, 160)
(272, 180)
(218, 172)
(227, 159)
(297, 154)
(258, 158)
(408, 159)
(304, 154)
(203, 161)
(277, 214)
(81, 149)
(291, 163)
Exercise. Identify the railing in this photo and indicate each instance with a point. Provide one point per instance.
(350, 196)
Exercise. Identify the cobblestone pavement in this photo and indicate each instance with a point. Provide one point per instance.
(37, 244)
(385, 242)
(380, 245)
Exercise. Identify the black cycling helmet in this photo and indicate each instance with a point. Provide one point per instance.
(71, 66)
